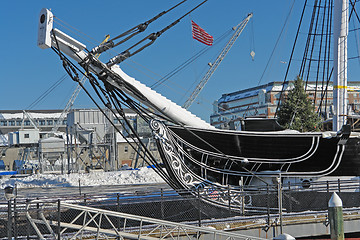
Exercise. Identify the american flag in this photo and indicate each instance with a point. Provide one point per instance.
(199, 34)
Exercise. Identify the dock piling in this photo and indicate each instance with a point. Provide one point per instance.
(335, 213)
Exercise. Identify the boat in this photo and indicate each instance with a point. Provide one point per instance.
(196, 155)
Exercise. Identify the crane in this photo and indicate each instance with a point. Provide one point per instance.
(71, 101)
(238, 30)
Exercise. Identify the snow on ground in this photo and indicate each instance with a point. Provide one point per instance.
(97, 178)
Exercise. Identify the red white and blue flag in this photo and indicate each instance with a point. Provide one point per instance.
(199, 34)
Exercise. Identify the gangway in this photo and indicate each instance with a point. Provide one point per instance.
(100, 223)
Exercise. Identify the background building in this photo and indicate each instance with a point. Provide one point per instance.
(84, 140)
(262, 102)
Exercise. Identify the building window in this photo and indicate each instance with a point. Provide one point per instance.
(126, 149)
(50, 122)
(11, 123)
(26, 135)
(18, 123)
(3, 123)
(42, 122)
(27, 123)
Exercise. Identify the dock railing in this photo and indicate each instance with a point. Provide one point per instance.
(260, 206)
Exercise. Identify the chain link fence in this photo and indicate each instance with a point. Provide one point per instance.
(262, 202)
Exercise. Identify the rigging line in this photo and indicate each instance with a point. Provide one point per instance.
(252, 36)
(179, 68)
(189, 61)
(324, 94)
(308, 43)
(357, 42)
(78, 33)
(47, 92)
(96, 85)
(151, 37)
(187, 129)
(277, 42)
(141, 27)
(75, 78)
(72, 68)
(353, 10)
(330, 12)
(356, 36)
(132, 103)
(64, 58)
(146, 152)
(208, 67)
(326, 61)
(320, 51)
(354, 30)
(139, 108)
(289, 62)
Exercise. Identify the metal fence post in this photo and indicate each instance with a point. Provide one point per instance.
(199, 206)
(118, 210)
(229, 200)
(15, 221)
(79, 187)
(327, 186)
(58, 218)
(38, 211)
(242, 196)
(290, 204)
(280, 203)
(9, 223)
(162, 203)
(27, 224)
(268, 204)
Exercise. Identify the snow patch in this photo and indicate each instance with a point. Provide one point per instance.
(127, 177)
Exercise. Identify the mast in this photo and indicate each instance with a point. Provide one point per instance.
(340, 28)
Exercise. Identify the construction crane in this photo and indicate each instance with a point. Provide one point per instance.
(71, 101)
(238, 30)
(30, 119)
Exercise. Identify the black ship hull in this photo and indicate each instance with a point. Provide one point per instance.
(204, 159)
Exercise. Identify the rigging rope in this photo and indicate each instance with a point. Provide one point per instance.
(321, 29)
(188, 61)
(47, 92)
(111, 96)
(70, 69)
(289, 62)
(151, 37)
(133, 31)
(277, 42)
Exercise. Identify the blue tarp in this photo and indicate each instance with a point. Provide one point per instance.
(8, 173)
(17, 165)
(2, 165)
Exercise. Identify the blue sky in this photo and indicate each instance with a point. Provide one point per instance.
(27, 71)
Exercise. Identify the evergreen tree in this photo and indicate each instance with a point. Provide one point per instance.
(297, 112)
